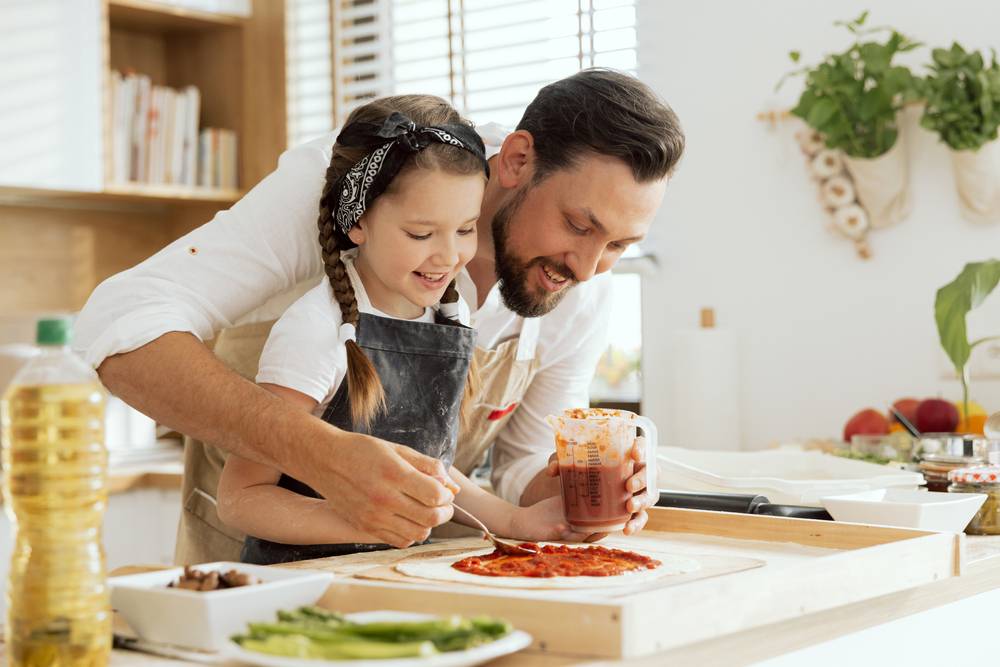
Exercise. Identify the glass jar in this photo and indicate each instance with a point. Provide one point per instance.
(937, 467)
(980, 479)
(959, 445)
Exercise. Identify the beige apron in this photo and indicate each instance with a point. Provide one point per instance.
(505, 374)
(201, 535)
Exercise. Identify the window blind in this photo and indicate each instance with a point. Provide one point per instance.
(487, 57)
(490, 57)
(309, 82)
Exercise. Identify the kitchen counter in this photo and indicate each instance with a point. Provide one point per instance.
(141, 519)
(166, 476)
(162, 468)
(879, 624)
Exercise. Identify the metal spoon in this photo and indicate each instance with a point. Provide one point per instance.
(503, 546)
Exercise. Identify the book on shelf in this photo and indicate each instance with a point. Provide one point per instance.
(156, 137)
(217, 158)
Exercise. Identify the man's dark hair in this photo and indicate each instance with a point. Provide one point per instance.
(606, 112)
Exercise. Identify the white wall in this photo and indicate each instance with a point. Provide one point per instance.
(822, 333)
(51, 83)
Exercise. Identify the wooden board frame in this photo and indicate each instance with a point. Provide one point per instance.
(869, 562)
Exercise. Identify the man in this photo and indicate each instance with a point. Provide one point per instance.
(578, 181)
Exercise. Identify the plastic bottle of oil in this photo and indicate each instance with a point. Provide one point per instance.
(55, 492)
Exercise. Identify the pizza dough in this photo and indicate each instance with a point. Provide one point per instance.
(439, 568)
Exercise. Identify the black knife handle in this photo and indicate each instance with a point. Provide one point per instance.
(793, 511)
(716, 502)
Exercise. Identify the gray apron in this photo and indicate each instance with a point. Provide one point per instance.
(423, 368)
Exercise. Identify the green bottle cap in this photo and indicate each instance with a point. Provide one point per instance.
(54, 331)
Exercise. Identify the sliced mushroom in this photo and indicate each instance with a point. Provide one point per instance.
(234, 578)
(210, 582)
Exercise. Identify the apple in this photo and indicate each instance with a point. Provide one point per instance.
(867, 422)
(936, 415)
(908, 408)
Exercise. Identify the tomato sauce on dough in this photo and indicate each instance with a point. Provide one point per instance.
(557, 561)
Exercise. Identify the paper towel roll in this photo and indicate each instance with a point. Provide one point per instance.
(705, 393)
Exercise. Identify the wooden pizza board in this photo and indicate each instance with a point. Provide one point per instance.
(808, 566)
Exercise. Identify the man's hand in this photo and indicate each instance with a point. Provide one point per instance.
(386, 490)
(636, 485)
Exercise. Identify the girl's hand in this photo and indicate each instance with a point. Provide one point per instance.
(544, 521)
(641, 500)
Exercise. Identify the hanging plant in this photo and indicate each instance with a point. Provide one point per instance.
(963, 98)
(852, 99)
(963, 109)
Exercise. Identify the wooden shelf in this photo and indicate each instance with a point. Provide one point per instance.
(174, 193)
(57, 243)
(129, 194)
(152, 16)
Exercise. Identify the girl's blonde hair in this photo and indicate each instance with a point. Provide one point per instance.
(364, 388)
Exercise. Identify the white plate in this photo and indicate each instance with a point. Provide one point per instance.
(512, 643)
(206, 620)
(923, 510)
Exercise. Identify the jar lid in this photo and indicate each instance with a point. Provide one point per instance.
(950, 462)
(976, 475)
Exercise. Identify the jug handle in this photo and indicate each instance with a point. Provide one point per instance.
(649, 431)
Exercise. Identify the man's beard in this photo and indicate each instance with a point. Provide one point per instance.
(513, 273)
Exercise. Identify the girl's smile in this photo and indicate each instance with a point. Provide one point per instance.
(433, 281)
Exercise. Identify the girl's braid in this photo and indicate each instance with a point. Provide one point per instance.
(365, 390)
(343, 291)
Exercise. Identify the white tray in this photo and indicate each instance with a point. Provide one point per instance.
(785, 477)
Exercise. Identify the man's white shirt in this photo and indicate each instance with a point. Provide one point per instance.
(250, 262)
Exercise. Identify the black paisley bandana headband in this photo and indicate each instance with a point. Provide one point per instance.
(389, 145)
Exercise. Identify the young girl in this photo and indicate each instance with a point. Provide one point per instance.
(381, 347)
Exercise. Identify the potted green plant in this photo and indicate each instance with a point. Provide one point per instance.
(852, 99)
(952, 303)
(962, 97)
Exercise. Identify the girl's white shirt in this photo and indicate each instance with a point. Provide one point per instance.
(304, 351)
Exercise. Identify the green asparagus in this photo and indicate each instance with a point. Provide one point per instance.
(313, 632)
(299, 646)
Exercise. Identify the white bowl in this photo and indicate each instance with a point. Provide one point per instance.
(924, 510)
(205, 619)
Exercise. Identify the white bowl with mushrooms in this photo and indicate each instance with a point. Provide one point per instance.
(200, 606)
